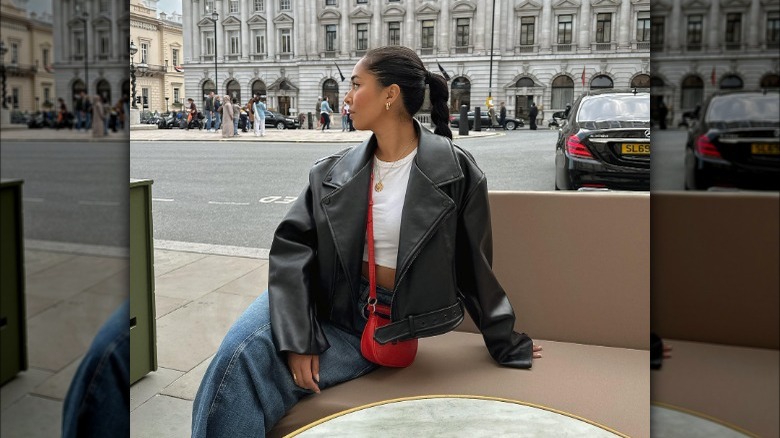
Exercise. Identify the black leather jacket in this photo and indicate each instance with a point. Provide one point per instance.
(444, 254)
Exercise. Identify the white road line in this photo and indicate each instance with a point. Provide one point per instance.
(32, 199)
(205, 248)
(162, 199)
(228, 203)
(100, 203)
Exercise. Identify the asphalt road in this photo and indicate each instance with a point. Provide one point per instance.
(235, 194)
(74, 192)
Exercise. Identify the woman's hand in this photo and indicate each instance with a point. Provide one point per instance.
(305, 370)
(537, 349)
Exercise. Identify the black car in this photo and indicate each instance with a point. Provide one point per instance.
(276, 120)
(735, 142)
(605, 142)
(509, 124)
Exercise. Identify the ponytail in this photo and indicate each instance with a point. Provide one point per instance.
(440, 112)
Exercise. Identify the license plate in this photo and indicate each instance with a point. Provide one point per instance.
(635, 149)
(765, 149)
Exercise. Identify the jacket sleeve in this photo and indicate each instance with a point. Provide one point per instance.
(292, 273)
(482, 295)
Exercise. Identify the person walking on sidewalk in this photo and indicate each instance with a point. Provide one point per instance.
(428, 206)
(227, 118)
(217, 113)
(260, 109)
(98, 117)
(532, 113)
(317, 111)
(344, 117)
(209, 110)
(236, 116)
(325, 112)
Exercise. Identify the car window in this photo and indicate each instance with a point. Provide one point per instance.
(753, 107)
(615, 107)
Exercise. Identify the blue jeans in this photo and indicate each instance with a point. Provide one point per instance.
(218, 121)
(208, 120)
(98, 400)
(235, 125)
(248, 388)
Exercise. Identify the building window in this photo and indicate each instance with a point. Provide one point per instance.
(330, 2)
(144, 52)
(208, 6)
(233, 6)
(103, 6)
(45, 57)
(733, 28)
(47, 95)
(362, 2)
(462, 32)
(694, 34)
(260, 41)
(15, 98)
(394, 33)
(235, 43)
(643, 29)
(330, 38)
(176, 96)
(259, 5)
(773, 28)
(284, 5)
(564, 29)
(562, 92)
(209, 43)
(427, 34)
(527, 25)
(285, 40)
(692, 92)
(175, 57)
(15, 52)
(145, 97)
(603, 28)
(104, 41)
(78, 43)
(657, 25)
(362, 36)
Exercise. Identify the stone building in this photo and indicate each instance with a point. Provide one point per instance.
(91, 48)
(544, 51)
(159, 72)
(700, 47)
(27, 39)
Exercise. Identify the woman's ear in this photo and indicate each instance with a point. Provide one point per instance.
(392, 93)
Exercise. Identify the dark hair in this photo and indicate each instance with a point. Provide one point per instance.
(401, 66)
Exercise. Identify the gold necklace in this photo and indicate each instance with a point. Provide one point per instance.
(379, 186)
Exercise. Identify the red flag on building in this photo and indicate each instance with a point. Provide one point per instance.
(712, 76)
(583, 76)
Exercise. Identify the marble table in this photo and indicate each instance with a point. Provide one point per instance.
(446, 416)
(672, 422)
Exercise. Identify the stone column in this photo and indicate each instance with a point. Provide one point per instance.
(754, 20)
(186, 14)
(376, 25)
(343, 30)
(270, 7)
(195, 14)
(624, 39)
(711, 42)
(482, 28)
(116, 53)
(219, 5)
(546, 45)
(246, 36)
(444, 42)
(584, 24)
(507, 27)
(410, 34)
(675, 23)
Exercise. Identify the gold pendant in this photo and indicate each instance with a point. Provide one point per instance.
(379, 186)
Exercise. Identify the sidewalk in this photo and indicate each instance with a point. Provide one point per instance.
(23, 133)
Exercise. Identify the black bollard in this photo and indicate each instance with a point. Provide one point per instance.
(477, 119)
(463, 123)
(311, 121)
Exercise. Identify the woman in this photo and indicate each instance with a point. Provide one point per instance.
(227, 118)
(98, 117)
(430, 214)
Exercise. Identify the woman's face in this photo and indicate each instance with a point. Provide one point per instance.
(365, 98)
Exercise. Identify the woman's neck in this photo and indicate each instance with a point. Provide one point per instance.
(395, 141)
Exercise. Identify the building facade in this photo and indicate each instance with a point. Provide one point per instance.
(701, 47)
(544, 51)
(91, 48)
(28, 61)
(159, 72)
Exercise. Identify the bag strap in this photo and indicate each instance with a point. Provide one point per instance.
(370, 237)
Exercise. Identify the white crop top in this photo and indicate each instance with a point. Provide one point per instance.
(388, 206)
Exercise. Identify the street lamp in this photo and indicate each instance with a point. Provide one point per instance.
(133, 51)
(215, 17)
(143, 67)
(3, 51)
(166, 103)
(492, 37)
(85, 16)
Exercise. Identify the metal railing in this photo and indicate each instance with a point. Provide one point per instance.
(525, 49)
(563, 47)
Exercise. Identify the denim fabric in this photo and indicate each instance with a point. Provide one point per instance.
(98, 400)
(208, 119)
(248, 387)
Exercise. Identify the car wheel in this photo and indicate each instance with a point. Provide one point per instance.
(280, 125)
(510, 126)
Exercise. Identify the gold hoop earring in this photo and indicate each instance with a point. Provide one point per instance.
(387, 106)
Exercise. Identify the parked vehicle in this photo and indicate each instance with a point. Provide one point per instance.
(735, 142)
(605, 143)
(167, 121)
(276, 120)
(556, 120)
(510, 124)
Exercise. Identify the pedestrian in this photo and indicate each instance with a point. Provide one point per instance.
(98, 117)
(317, 111)
(217, 113)
(325, 112)
(532, 113)
(62, 114)
(427, 204)
(344, 117)
(502, 115)
(208, 107)
(227, 118)
(236, 116)
(260, 110)
(663, 111)
(87, 112)
(192, 112)
(78, 109)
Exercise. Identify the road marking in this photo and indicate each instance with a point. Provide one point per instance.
(228, 203)
(278, 199)
(162, 199)
(100, 203)
(32, 199)
(205, 248)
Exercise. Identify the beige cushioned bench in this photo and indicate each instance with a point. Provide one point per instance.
(576, 267)
(716, 301)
